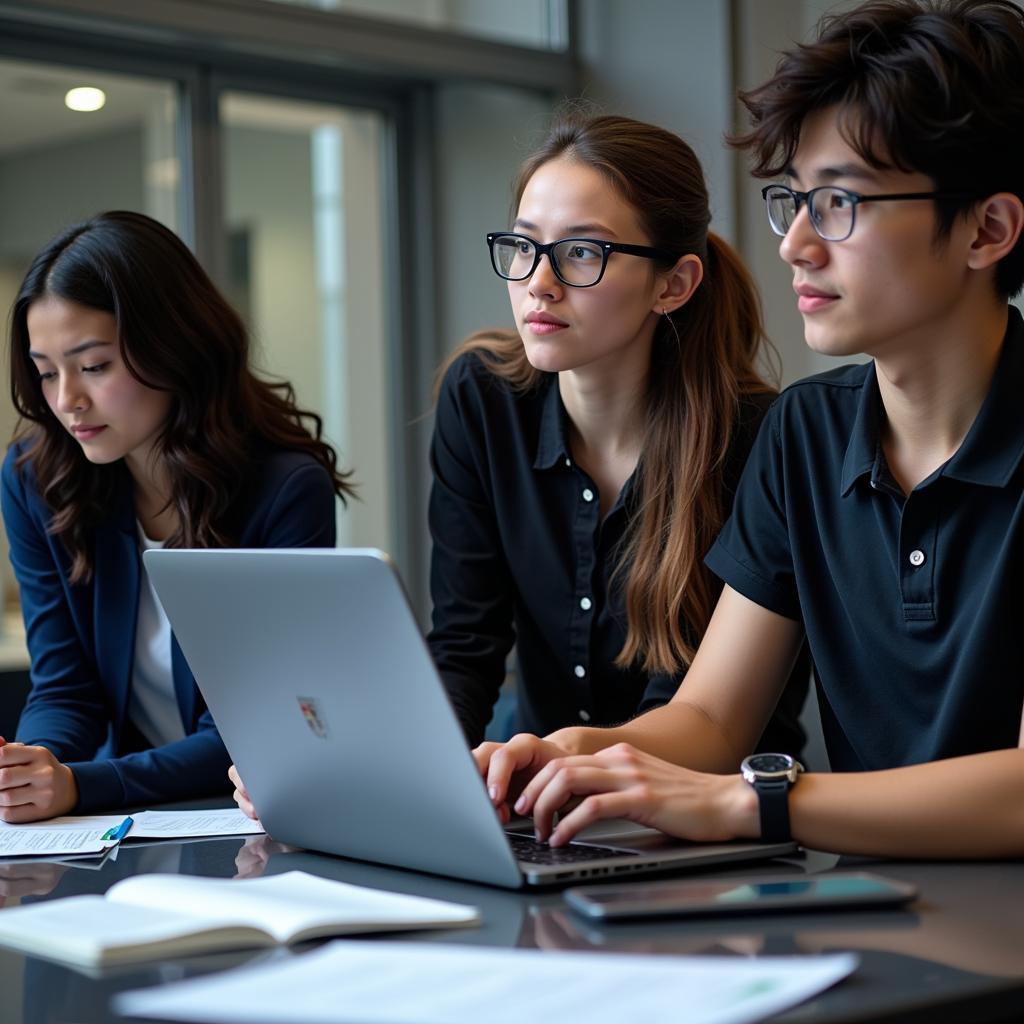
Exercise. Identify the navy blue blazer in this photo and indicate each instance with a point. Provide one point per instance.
(81, 638)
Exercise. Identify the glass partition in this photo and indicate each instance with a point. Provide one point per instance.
(304, 210)
(59, 165)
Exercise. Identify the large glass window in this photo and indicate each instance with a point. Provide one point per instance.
(305, 227)
(59, 165)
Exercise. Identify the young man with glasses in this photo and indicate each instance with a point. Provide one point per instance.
(881, 513)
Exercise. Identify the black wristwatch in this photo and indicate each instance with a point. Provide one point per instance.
(772, 776)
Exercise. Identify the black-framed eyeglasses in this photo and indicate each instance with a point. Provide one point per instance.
(832, 210)
(577, 262)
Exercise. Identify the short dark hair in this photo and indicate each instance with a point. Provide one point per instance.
(932, 86)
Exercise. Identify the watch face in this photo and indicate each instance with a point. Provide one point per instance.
(770, 762)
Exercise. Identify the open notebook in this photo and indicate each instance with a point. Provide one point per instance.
(155, 916)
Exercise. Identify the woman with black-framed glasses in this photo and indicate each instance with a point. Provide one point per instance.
(584, 462)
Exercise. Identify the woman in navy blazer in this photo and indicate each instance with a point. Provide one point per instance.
(145, 427)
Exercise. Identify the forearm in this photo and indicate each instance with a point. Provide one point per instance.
(190, 768)
(680, 733)
(72, 730)
(966, 807)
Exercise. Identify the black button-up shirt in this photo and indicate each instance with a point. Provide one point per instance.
(911, 602)
(521, 555)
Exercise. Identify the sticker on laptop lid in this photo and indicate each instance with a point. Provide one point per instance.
(316, 722)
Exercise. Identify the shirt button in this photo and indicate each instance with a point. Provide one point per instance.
(588, 494)
(586, 604)
(580, 671)
(916, 558)
(568, 462)
(584, 715)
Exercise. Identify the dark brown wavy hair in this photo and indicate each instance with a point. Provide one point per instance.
(932, 86)
(176, 333)
(703, 364)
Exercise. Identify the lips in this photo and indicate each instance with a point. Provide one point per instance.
(86, 432)
(811, 299)
(539, 322)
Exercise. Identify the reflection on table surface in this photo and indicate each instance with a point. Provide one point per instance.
(957, 949)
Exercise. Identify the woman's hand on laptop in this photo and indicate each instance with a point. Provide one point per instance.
(508, 767)
(623, 782)
(241, 797)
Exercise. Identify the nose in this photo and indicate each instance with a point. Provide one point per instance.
(802, 245)
(70, 397)
(544, 282)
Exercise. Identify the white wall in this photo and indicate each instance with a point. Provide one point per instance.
(678, 63)
(668, 62)
(484, 133)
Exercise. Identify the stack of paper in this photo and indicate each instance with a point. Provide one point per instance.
(407, 983)
(92, 835)
(54, 839)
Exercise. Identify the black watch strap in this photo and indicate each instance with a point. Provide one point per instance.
(773, 801)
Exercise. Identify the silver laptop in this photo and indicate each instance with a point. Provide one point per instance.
(319, 680)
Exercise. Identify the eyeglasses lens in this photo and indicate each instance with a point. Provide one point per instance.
(579, 262)
(781, 210)
(513, 257)
(830, 211)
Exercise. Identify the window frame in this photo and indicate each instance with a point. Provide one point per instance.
(258, 46)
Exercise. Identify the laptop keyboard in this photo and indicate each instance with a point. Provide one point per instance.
(529, 850)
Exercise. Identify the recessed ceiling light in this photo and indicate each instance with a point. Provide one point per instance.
(85, 98)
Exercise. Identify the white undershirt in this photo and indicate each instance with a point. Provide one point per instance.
(153, 706)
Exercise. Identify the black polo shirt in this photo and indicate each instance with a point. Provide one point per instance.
(520, 555)
(911, 603)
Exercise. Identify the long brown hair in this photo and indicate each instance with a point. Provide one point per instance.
(176, 333)
(702, 366)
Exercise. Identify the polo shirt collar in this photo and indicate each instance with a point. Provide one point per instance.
(864, 436)
(994, 445)
(552, 439)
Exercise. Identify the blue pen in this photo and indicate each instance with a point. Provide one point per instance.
(120, 832)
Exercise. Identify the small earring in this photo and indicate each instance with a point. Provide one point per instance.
(672, 324)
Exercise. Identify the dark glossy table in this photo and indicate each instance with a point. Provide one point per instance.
(956, 954)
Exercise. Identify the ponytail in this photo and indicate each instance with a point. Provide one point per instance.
(703, 367)
(700, 375)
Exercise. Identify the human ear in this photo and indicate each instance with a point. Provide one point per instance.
(998, 222)
(679, 284)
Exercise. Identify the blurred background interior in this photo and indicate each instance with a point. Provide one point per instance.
(335, 164)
